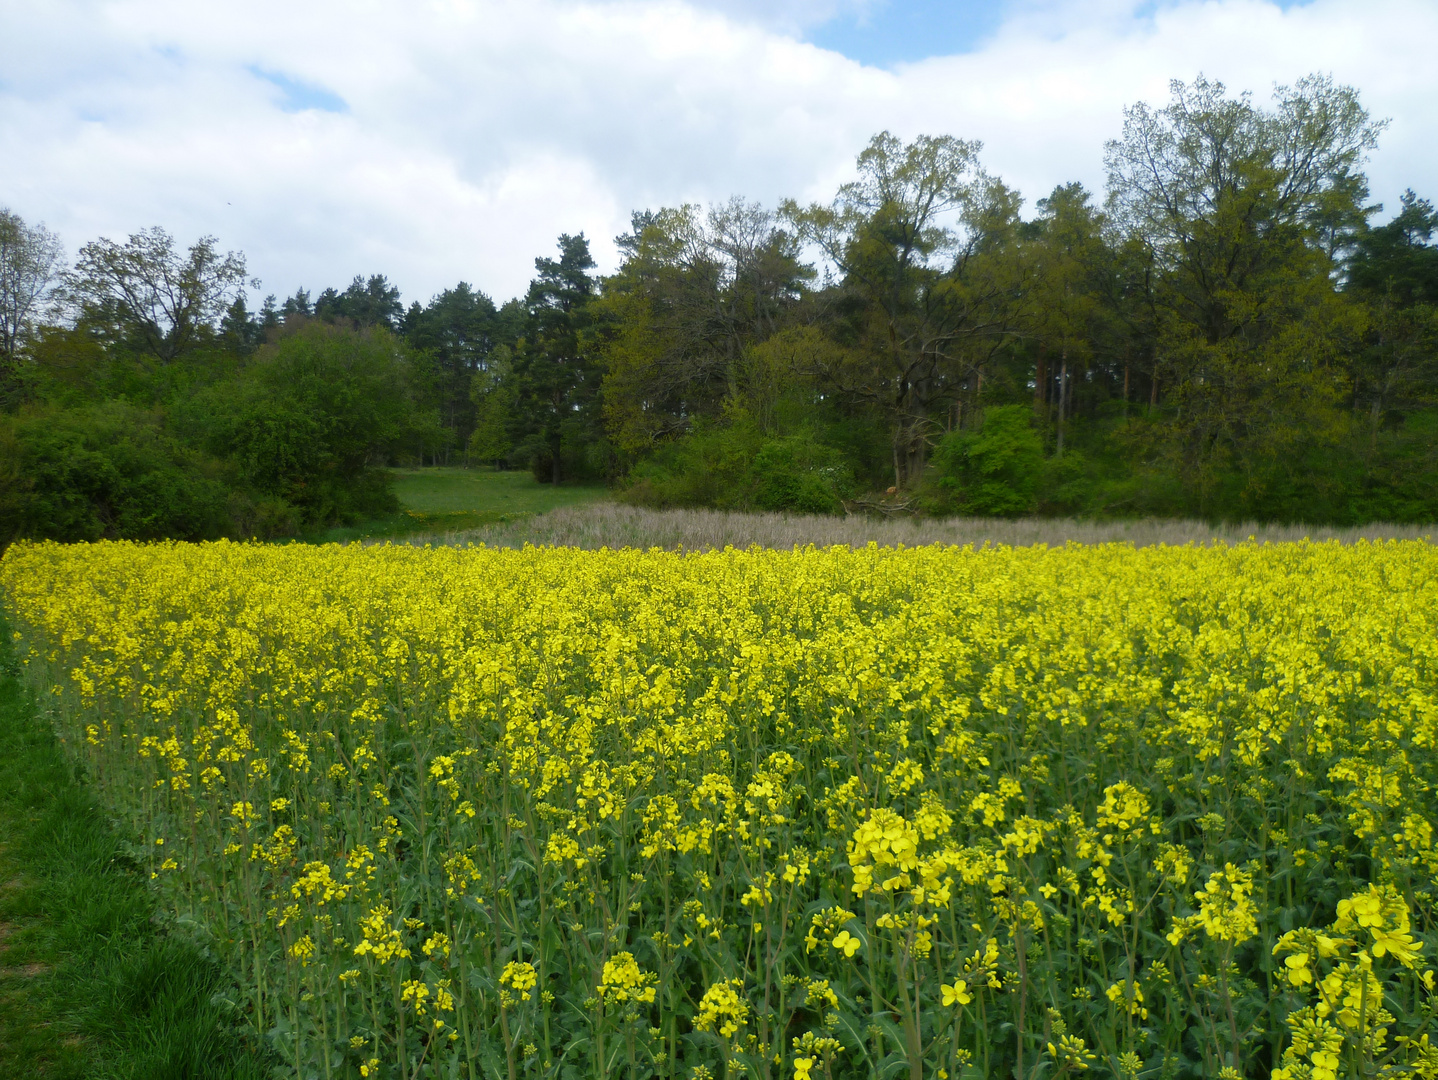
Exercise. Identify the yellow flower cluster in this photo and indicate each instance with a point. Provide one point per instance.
(1350, 1011)
(723, 1008)
(891, 843)
(553, 812)
(1383, 913)
(1226, 909)
(520, 977)
(382, 942)
(622, 980)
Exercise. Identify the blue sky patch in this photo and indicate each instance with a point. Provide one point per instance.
(898, 31)
(300, 96)
(894, 32)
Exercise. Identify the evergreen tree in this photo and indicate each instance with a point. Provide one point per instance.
(556, 380)
(457, 331)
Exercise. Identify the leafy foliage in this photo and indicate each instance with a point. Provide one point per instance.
(799, 473)
(145, 293)
(29, 262)
(994, 471)
(313, 416)
(1225, 335)
(107, 471)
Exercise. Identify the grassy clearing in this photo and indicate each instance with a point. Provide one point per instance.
(90, 985)
(451, 490)
(446, 500)
(610, 525)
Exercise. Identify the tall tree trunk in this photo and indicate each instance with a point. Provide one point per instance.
(1041, 388)
(1125, 391)
(1063, 401)
(909, 453)
(914, 466)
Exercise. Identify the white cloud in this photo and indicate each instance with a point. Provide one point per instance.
(457, 138)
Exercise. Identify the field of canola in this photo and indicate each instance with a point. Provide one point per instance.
(947, 813)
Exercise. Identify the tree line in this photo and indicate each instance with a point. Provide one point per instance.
(1225, 334)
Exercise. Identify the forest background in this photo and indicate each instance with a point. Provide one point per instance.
(1226, 334)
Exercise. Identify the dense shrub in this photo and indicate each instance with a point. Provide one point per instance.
(313, 420)
(734, 466)
(800, 474)
(994, 470)
(706, 467)
(109, 470)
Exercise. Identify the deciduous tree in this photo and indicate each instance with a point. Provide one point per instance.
(909, 236)
(163, 301)
(30, 260)
(1242, 209)
(695, 292)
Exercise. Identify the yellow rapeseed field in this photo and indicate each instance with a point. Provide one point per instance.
(1160, 812)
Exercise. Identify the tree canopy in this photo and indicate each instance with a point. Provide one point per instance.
(1232, 329)
(147, 292)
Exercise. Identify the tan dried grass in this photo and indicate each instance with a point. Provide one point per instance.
(611, 525)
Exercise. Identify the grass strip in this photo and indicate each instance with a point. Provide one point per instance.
(91, 983)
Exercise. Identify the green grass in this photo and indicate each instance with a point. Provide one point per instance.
(449, 490)
(439, 500)
(91, 984)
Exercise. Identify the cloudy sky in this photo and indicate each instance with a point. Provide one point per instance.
(440, 140)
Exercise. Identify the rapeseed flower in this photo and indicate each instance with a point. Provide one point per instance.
(654, 775)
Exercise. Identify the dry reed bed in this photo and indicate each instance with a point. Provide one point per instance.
(612, 525)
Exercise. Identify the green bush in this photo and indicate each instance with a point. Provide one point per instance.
(580, 461)
(800, 474)
(734, 466)
(541, 466)
(707, 467)
(993, 471)
(263, 517)
(1402, 484)
(106, 471)
(315, 417)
